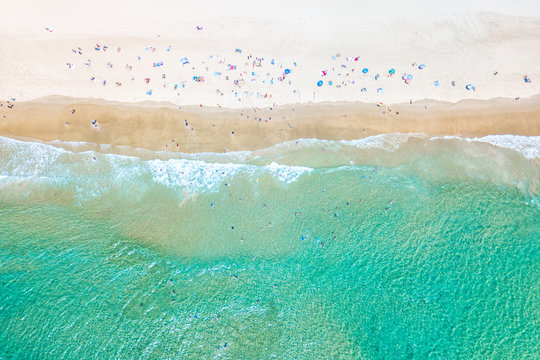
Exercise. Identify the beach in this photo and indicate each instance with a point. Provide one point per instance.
(192, 129)
(284, 78)
(384, 54)
(291, 180)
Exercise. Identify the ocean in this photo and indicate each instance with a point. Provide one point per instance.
(396, 246)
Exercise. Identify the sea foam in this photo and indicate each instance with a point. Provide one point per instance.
(92, 174)
(528, 146)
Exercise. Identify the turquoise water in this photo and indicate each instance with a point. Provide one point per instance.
(391, 247)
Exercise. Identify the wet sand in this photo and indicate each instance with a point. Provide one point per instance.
(162, 126)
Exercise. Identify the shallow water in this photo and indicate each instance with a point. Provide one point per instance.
(391, 247)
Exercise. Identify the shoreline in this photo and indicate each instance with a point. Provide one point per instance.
(194, 129)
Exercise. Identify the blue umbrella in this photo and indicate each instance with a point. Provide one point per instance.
(319, 83)
(287, 71)
(421, 66)
(392, 71)
(469, 87)
(365, 70)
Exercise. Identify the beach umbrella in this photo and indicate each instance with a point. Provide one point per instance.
(287, 71)
(469, 87)
(391, 71)
(319, 83)
(421, 66)
(365, 70)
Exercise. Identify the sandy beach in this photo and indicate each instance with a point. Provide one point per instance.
(194, 129)
(330, 72)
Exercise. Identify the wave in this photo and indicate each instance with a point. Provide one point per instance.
(527, 146)
(194, 176)
(89, 170)
(92, 173)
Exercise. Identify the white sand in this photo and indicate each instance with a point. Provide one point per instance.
(458, 41)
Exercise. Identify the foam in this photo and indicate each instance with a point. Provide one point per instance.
(528, 146)
(91, 174)
(195, 176)
(391, 141)
(191, 176)
(23, 158)
(287, 174)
